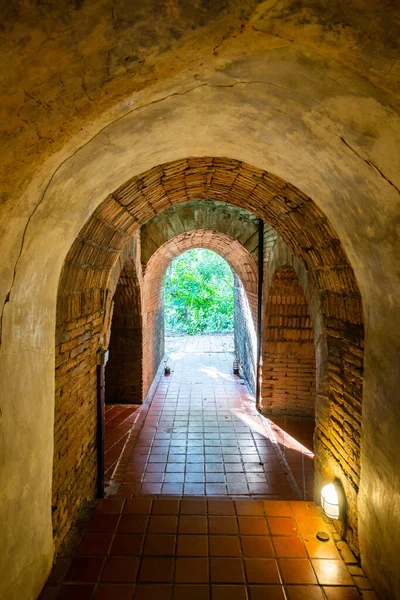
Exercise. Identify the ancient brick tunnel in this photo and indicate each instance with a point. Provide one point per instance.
(114, 121)
(229, 231)
(84, 296)
(245, 273)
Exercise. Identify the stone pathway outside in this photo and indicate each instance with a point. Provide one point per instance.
(218, 342)
(202, 503)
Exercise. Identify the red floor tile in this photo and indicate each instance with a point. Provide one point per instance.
(261, 570)
(226, 570)
(221, 508)
(262, 592)
(222, 525)
(228, 592)
(277, 508)
(191, 592)
(127, 545)
(201, 435)
(282, 526)
(191, 570)
(75, 592)
(84, 569)
(103, 523)
(111, 591)
(156, 569)
(132, 524)
(95, 544)
(257, 546)
(297, 570)
(159, 545)
(120, 569)
(342, 593)
(192, 524)
(332, 572)
(153, 592)
(224, 545)
(138, 506)
(253, 526)
(305, 592)
(289, 547)
(192, 545)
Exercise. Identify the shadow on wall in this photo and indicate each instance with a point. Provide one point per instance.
(245, 335)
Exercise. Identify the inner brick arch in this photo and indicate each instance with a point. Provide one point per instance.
(123, 376)
(288, 370)
(245, 273)
(310, 237)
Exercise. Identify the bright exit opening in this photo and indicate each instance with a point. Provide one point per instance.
(199, 297)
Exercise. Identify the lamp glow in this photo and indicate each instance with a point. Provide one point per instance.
(330, 501)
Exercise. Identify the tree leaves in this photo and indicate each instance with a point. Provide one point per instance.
(198, 293)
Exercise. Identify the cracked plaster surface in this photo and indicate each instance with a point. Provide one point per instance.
(78, 59)
(309, 93)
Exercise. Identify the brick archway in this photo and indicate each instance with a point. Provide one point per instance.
(123, 378)
(288, 372)
(245, 275)
(307, 232)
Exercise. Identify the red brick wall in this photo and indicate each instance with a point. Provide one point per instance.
(83, 328)
(288, 376)
(75, 419)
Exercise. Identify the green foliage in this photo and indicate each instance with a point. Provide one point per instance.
(198, 288)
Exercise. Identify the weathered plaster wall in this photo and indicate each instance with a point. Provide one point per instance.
(290, 108)
(68, 64)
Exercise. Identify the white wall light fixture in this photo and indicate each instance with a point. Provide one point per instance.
(330, 501)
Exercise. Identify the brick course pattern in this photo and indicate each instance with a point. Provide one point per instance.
(333, 460)
(83, 296)
(288, 376)
(83, 327)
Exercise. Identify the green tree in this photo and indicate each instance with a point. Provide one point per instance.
(198, 293)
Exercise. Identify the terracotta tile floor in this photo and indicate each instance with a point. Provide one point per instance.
(201, 435)
(172, 548)
(295, 438)
(119, 420)
(195, 508)
(223, 342)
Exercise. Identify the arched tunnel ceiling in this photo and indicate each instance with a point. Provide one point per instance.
(200, 214)
(72, 65)
(306, 90)
(231, 250)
